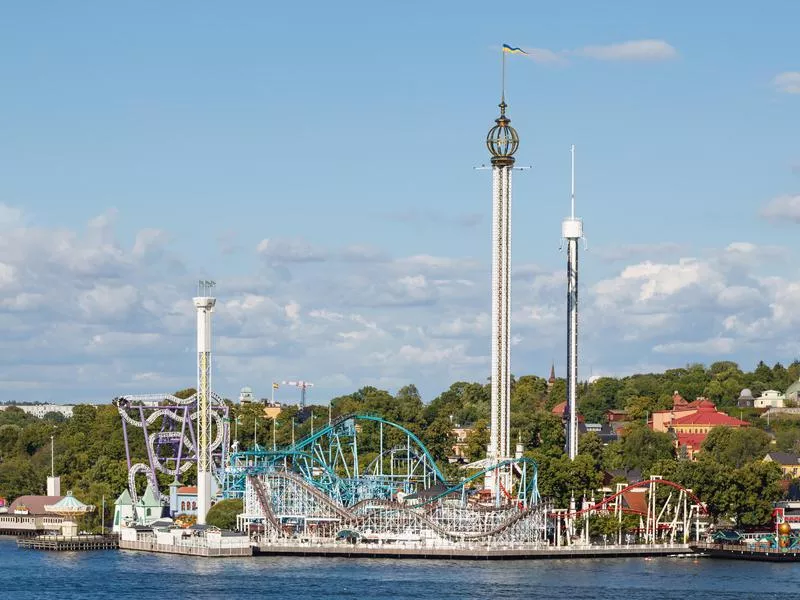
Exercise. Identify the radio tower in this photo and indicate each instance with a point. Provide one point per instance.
(572, 231)
(204, 303)
(502, 142)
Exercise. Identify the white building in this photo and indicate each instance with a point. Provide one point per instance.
(40, 410)
(770, 399)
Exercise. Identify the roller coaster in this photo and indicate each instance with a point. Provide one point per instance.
(318, 489)
(167, 424)
(667, 512)
(364, 477)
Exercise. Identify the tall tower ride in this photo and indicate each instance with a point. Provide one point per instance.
(204, 303)
(572, 231)
(502, 142)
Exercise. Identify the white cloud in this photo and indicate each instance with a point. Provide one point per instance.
(289, 250)
(783, 208)
(713, 347)
(633, 50)
(787, 82)
(545, 56)
(642, 50)
(10, 216)
(87, 317)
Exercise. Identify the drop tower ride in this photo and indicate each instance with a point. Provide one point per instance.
(502, 142)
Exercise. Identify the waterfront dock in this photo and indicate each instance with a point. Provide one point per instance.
(510, 552)
(197, 549)
(746, 552)
(69, 543)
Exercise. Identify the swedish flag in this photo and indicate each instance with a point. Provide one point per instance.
(510, 50)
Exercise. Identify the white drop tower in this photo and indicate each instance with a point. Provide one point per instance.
(204, 303)
(502, 142)
(572, 231)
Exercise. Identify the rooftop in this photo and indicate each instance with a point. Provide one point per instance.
(691, 440)
(783, 458)
(34, 504)
(706, 416)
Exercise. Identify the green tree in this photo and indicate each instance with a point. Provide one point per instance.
(439, 439)
(734, 447)
(478, 440)
(223, 513)
(754, 489)
(18, 478)
(591, 445)
(641, 447)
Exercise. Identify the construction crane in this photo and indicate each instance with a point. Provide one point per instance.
(303, 385)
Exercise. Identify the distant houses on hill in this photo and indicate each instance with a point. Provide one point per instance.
(40, 410)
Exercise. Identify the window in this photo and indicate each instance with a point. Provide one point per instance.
(183, 505)
(194, 505)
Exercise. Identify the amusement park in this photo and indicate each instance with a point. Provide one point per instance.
(361, 482)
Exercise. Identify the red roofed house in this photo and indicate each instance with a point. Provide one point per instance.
(691, 422)
(559, 409)
(691, 430)
(187, 500)
(660, 419)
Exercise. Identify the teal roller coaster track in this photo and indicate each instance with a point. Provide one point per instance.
(364, 457)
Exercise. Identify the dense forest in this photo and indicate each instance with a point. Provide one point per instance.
(729, 475)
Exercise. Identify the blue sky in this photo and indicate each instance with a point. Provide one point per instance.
(316, 160)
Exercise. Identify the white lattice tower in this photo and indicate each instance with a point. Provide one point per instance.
(572, 232)
(205, 306)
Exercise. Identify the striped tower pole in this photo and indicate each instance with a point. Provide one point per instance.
(205, 306)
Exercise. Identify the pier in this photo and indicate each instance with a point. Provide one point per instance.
(197, 549)
(510, 552)
(66, 543)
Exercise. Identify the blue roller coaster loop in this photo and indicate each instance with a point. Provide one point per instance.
(348, 490)
(343, 420)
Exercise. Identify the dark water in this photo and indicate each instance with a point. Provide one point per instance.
(118, 574)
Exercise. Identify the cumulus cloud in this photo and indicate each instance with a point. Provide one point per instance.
(783, 208)
(87, 317)
(787, 82)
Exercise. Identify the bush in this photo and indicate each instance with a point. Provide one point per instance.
(223, 513)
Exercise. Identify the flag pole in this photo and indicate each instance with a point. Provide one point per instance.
(503, 86)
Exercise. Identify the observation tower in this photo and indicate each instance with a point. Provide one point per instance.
(572, 231)
(502, 142)
(204, 303)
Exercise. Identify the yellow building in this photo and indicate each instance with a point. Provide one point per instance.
(271, 411)
(789, 463)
